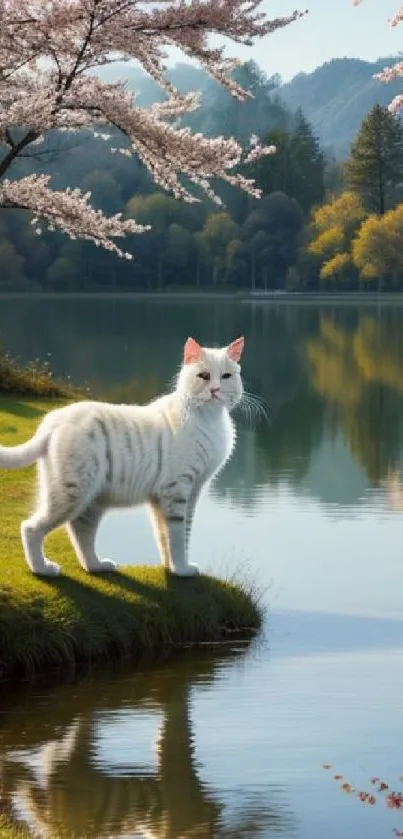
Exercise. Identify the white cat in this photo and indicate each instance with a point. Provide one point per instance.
(93, 456)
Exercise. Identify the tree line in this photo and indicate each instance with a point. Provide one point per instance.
(320, 225)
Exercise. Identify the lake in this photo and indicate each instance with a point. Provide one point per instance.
(232, 741)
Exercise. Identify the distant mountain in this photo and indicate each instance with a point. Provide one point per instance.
(336, 97)
(218, 113)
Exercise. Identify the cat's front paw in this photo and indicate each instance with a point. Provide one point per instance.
(103, 566)
(189, 570)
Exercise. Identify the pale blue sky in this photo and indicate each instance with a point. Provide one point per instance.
(333, 28)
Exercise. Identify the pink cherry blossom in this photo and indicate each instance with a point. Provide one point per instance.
(396, 70)
(68, 210)
(49, 54)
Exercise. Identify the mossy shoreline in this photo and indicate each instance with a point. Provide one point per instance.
(80, 618)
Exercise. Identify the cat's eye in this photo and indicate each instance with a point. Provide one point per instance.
(205, 376)
(226, 376)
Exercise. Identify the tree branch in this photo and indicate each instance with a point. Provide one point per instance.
(81, 52)
(15, 150)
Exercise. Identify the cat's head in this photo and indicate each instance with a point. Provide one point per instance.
(211, 375)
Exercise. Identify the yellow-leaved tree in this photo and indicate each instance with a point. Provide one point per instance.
(332, 231)
(378, 248)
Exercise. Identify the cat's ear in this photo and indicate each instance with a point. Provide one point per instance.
(193, 352)
(234, 350)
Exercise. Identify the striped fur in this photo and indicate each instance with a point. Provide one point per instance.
(94, 456)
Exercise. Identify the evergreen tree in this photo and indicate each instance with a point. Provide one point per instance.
(309, 164)
(297, 168)
(375, 166)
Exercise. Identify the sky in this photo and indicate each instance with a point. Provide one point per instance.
(332, 29)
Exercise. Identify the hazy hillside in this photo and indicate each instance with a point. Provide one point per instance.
(336, 97)
(219, 113)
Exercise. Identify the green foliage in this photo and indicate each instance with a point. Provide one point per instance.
(12, 264)
(106, 193)
(298, 167)
(215, 240)
(375, 166)
(63, 274)
(271, 234)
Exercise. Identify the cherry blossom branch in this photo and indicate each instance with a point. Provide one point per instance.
(389, 74)
(69, 211)
(46, 52)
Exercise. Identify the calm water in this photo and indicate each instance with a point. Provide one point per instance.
(230, 743)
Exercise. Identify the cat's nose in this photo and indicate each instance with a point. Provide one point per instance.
(214, 391)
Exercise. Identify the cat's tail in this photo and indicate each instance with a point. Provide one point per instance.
(15, 457)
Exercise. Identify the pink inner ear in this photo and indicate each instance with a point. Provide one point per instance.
(235, 349)
(192, 352)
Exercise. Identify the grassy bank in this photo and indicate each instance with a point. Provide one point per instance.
(79, 617)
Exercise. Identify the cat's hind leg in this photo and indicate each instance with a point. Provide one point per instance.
(59, 502)
(82, 531)
(34, 531)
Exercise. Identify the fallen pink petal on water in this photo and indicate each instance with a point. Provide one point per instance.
(347, 787)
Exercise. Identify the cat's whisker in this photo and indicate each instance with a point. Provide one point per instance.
(255, 407)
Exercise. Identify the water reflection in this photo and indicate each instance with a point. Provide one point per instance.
(70, 761)
(359, 374)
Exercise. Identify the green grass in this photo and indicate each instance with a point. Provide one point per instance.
(10, 829)
(79, 617)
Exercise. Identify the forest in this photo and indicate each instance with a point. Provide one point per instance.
(316, 226)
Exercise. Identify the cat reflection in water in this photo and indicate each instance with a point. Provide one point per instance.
(93, 456)
(54, 779)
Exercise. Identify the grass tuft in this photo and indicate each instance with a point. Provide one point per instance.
(58, 623)
(8, 830)
(32, 379)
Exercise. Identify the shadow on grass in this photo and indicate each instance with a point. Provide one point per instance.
(11, 404)
(164, 587)
(174, 600)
